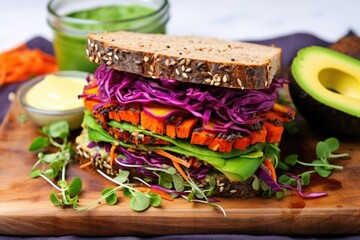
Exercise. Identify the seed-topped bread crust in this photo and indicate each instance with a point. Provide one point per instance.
(201, 60)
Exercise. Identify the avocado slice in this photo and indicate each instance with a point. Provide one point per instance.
(325, 88)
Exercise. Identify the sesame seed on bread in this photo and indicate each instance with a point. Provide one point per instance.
(192, 59)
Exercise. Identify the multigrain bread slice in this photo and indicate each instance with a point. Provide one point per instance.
(192, 59)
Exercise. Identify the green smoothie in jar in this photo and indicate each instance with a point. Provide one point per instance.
(72, 20)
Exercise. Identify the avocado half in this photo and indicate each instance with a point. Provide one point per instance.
(325, 88)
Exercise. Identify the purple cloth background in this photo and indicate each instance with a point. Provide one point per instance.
(290, 45)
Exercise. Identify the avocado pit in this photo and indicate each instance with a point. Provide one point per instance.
(340, 82)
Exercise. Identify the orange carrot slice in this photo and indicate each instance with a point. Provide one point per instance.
(112, 154)
(271, 168)
(21, 63)
(85, 165)
(172, 158)
(162, 194)
(180, 170)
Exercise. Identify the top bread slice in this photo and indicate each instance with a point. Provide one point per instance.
(192, 59)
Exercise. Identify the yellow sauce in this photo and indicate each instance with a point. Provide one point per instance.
(56, 93)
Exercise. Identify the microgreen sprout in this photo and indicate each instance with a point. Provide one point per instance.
(321, 166)
(50, 165)
(139, 201)
(324, 151)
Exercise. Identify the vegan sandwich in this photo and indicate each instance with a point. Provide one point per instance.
(191, 116)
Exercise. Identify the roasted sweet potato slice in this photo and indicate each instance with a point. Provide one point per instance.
(115, 116)
(152, 124)
(171, 124)
(274, 132)
(131, 115)
(186, 127)
(201, 138)
(241, 142)
(258, 136)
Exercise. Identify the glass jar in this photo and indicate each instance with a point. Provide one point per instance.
(72, 20)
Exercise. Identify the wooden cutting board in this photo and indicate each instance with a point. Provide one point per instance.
(25, 208)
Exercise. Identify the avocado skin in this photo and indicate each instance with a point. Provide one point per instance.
(324, 119)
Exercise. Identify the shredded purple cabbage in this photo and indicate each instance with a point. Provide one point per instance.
(263, 174)
(232, 108)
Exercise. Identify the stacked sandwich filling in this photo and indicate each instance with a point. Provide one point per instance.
(179, 136)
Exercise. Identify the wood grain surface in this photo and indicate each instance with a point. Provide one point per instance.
(25, 208)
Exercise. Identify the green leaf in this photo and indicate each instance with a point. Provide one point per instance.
(255, 183)
(54, 199)
(212, 181)
(178, 182)
(39, 143)
(281, 194)
(75, 187)
(49, 173)
(74, 202)
(284, 179)
(155, 199)
(71, 201)
(171, 170)
(63, 184)
(305, 178)
(322, 150)
(126, 192)
(264, 186)
(139, 201)
(166, 180)
(56, 166)
(333, 144)
(322, 171)
(48, 158)
(291, 159)
(211, 191)
(199, 194)
(282, 166)
(96, 136)
(122, 177)
(95, 131)
(35, 173)
(272, 151)
(70, 150)
(111, 199)
(59, 129)
(191, 195)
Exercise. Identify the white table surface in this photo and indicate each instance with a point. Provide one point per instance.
(21, 20)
